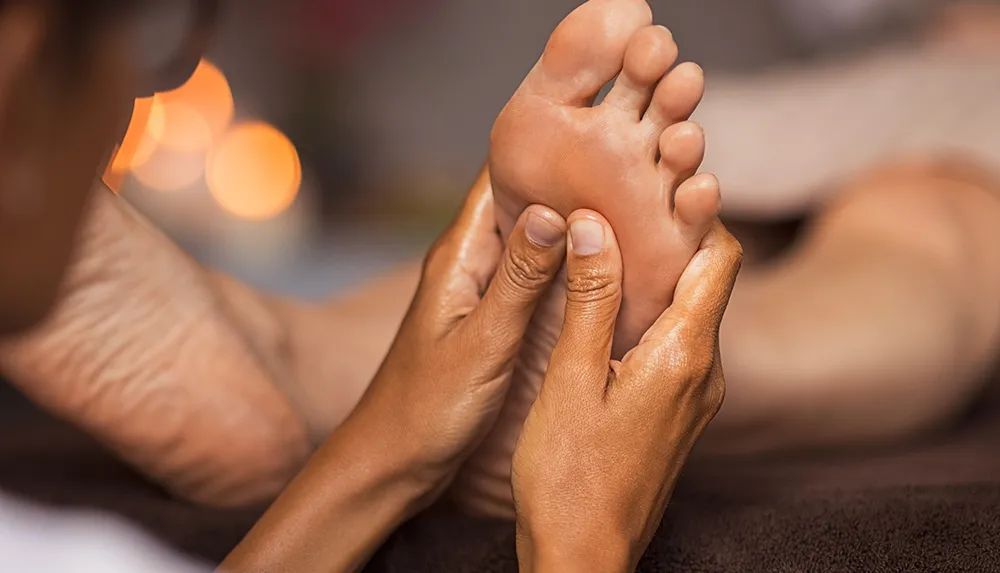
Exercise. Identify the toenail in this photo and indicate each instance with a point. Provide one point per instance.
(587, 236)
(541, 232)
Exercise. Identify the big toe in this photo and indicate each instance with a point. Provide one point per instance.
(587, 50)
(649, 55)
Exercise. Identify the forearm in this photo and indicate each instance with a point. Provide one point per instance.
(810, 127)
(357, 489)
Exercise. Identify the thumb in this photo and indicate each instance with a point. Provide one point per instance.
(593, 298)
(533, 257)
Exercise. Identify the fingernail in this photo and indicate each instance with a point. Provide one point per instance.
(541, 232)
(588, 237)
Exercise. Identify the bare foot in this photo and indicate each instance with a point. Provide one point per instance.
(632, 158)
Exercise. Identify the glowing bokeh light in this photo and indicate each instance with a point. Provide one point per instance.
(207, 93)
(178, 126)
(190, 117)
(135, 148)
(175, 130)
(253, 172)
(169, 170)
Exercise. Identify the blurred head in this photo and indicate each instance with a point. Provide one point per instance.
(65, 93)
(69, 71)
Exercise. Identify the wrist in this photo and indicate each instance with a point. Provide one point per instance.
(573, 551)
(396, 452)
(356, 490)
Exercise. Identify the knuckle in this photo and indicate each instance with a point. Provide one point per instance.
(728, 250)
(695, 380)
(438, 255)
(715, 394)
(592, 286)
(735, 252)
(443, 255)
(524, 272)
(695, 361)
(690, 358)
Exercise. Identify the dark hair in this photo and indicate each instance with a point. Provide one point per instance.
(77, 23)
(76, 18)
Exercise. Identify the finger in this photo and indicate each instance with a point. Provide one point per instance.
(460, 264)
(593, 297)
(477, 241)
(703, 290)
(535, 252)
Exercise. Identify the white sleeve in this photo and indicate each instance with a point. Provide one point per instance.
(36, 540)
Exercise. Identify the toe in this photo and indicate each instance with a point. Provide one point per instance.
(587, 50)
(682, 149)
(696, 205)
(677, 96)
(649, 55)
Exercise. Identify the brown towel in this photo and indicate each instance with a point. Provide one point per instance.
(930, 506)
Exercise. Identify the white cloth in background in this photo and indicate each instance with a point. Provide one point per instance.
(778, 137)
(37, 540)
(823, 19)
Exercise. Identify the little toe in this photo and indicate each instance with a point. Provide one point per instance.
(587, 50)
(697, 203)
(676, 97)
(649, 55)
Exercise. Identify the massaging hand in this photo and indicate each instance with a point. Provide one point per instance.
(447, 373)
(605, 441)
(436, 395)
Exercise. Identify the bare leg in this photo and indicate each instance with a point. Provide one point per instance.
(878, 325)
(207, 386)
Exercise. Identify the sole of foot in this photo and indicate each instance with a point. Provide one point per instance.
(633, 157)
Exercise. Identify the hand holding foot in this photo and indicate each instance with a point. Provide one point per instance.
(605, 441)
(449, 368)
(435, 397)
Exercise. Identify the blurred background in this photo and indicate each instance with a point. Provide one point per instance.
(323, 140)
